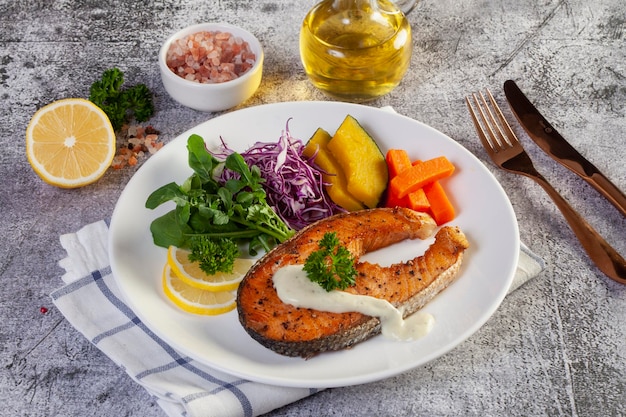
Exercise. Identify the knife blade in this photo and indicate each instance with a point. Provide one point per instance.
(552, 143)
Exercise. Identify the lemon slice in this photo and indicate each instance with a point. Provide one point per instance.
(70, 143)
(194, 300)
(190, 272)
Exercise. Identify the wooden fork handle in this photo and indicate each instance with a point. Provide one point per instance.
(601, 253)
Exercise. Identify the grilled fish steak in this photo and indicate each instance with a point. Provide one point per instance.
(409, 285)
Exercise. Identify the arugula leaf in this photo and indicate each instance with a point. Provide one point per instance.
(200, 160)
(332, 266)
(235, 162)
(166, 231)
(167, 192)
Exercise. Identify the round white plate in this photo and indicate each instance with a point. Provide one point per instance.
(484, 213)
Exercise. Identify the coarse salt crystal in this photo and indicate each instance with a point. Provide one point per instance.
(134, 143)
(220, 52)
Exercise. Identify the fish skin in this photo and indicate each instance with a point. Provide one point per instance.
(409, 285)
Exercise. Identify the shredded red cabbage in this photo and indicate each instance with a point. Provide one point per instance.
(294, 186)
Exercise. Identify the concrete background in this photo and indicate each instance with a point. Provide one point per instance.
(555, 347)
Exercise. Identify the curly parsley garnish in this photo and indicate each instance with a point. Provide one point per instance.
(214, 254)
(121, 103)
(332, 266)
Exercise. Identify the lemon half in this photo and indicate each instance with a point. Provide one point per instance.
(70, 143)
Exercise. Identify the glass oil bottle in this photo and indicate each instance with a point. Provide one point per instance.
(355, 50)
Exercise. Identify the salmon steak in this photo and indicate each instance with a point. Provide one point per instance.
(407, 285)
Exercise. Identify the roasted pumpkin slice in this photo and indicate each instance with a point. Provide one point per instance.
(337, 186)
(361, 160)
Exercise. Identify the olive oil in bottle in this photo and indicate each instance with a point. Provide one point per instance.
(355, 50)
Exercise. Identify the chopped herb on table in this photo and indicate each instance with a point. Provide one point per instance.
(120, 104)
(234, 210)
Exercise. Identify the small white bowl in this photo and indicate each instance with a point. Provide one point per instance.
(215, 96)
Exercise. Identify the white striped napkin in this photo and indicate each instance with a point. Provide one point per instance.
(92, 303)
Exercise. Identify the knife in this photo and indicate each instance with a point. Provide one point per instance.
(548, 139)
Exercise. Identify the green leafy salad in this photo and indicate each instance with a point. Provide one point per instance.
(211, 217)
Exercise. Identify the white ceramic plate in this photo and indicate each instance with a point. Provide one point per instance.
(484, 214)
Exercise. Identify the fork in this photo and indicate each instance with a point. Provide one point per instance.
(506, 151)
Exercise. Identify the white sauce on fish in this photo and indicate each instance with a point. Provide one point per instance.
(295, 288)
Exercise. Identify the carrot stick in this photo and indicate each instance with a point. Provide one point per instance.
(440, 206)
(392, 201)
(397, 161)
(417, 200)
(418, 175)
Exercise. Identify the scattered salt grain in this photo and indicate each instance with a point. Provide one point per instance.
(210, 57)
(134, 143)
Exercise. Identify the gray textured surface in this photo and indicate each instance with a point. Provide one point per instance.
(555, 347)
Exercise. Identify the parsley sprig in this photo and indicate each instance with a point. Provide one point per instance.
(119, 103)
(214, 254)
(332, 266)
(235, 210)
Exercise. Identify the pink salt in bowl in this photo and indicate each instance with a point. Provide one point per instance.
(211, 66)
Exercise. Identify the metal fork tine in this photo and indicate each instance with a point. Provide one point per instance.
(511, 138)
(489, 130)
(495, 131)
(479, 128)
